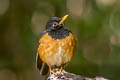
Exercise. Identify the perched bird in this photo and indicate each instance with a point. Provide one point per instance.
(56, 46)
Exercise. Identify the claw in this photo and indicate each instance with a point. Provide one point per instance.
(52, 71)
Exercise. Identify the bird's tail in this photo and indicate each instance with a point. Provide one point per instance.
(43, 68)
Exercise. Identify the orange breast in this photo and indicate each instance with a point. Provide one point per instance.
(57, 51)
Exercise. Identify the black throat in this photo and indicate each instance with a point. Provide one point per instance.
(59, 34)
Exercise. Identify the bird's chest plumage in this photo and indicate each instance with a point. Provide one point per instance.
(56, 51)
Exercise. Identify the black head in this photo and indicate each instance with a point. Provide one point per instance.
(53, 24)
(55, 28)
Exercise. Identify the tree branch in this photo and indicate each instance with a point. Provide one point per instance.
(58, 75)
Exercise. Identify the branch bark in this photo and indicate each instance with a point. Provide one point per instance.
(70, 76)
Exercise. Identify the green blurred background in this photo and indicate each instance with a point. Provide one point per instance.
(96, 23)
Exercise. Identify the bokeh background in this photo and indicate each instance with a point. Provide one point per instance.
(96, 23)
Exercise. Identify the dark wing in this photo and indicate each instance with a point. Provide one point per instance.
(43, 68)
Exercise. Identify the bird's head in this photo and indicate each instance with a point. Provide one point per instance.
(55, 23)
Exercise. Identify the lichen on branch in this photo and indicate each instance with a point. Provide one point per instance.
(58, 75)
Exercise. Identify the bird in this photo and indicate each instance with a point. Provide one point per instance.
(57, 46)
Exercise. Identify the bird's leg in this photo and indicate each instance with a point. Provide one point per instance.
(51, 70)
(61, 69)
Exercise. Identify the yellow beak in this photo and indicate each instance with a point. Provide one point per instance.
(63, 19)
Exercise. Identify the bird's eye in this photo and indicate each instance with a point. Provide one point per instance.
(55, 24)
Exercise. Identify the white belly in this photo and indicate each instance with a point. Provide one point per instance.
(59, 58)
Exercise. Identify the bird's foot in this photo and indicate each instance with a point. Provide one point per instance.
(61, 70)
(51, 72)
(54, 70)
